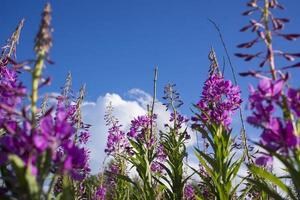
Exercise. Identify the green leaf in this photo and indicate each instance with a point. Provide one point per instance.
(266, 188)
(32, 183)
(67, 191)
(271, 178)
(295, 174)
(26, 180)
(210, 160)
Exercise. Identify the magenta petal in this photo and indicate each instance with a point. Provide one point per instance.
(265, 160)
(46, 125)
(40, 142)
(277, 87)
(291, 139)
(68, 163)
(264, 85)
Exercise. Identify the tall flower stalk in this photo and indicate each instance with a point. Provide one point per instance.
(272, 106)
(266, 28)
(36, 147)
(141, 147)
(174, 148)
(43, 43)
(117, 147)
(219, 100)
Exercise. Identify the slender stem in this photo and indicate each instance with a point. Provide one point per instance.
(268, 39)
(174, 110)
(53, 181)
(154, 99)
(36, 75)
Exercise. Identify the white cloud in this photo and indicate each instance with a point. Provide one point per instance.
(125, 110)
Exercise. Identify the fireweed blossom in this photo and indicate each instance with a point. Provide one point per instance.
(180, 122)
(36, 144)
(11, 91)
(116, 141)
(189, 192)
(160, 158)
(54, 134)
(180, 119)
(140, 129)
(100, 193)
(294, 100)
(219, 100)
(112, 180)
(278, 134)
(263, 100)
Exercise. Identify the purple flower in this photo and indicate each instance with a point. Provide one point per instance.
(160, 158)
(100, 193)
(40, 142)
(53, 133)
(111, 180)
(11, 91)
(180, 119)
(76, 161)
(279, 136)
(156, 167)
(116, 141)
(59, 127)
(189, 193)
(160, 153)
(84, 137)
(294, 100)
(278, 133)
(263, 101)
(219, 100)
(264, 160)
(270, 89)
(140, 127)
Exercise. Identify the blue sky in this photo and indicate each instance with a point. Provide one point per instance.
(113, 46)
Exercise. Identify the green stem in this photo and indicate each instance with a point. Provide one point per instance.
(268, 39)
(53, 181)
(36, 76)
(154, 98)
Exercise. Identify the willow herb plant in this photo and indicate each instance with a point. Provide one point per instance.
(37, 146)
(274, 104)
(219, 100)
(173, 142)
(141, 147)
(117, 147)
(43, 153)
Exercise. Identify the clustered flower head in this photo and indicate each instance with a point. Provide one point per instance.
(140, 129)
(100, 193)
(159, 159)
(294, 100)
(219, 100)
(84, 137)
(189, 192)
(111, 181)
(278, 133)
(116, 140)
(54, 134)
(180, 119)
(11, 91)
